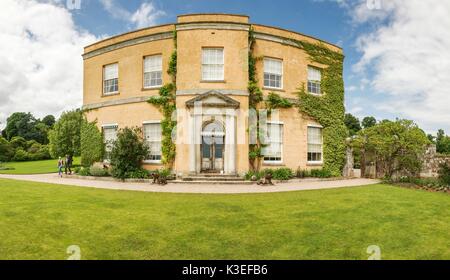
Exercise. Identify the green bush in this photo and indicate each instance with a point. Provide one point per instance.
(258, 175)
(128, 152)
(98, 171)
(84, 171)
(282, 174)
(302, 173)
(18, 142)
(321, 173)
(92, 146)
(444, 174)
(21, 155)
(138, 174)
(6, 150)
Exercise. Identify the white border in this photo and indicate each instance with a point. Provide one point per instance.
(276, 162)
(151, 122)
(313, 162)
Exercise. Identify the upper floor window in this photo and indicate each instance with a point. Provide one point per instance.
(315, 143)
(152, 135)
(111, 79)
(273, 73)
(314, 77)
(153, 71)
(212, 64)
(273, 149)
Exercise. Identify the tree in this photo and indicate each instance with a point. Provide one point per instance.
(397, 145)
(6, 150)
(128, 152)
(64, 138)
(49, 121)
(442, 142)
(92, 146)
(368, 122)
(24, 125)
(352, 124)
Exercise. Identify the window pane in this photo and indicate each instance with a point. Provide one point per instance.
(274, 140)
(314, 144)
(314, 74)
(212, 64)
(111, 72)
(153, 63)
(152, 135)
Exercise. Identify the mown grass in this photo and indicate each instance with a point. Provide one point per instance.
(34, 167)
(39, 221)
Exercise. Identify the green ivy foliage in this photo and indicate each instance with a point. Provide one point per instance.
(166, 101)
(328, 109)
(275, 101)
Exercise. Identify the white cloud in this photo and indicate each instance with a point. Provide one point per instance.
(40, 56)
(145, 15)
(410, 62)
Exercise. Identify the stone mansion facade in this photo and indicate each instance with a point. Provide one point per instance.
(212, 100)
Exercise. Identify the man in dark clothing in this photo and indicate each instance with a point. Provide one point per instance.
(69, 161)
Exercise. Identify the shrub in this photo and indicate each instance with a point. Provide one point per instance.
(249, 175)
(92, 146)
(321, 173)
(128, 152)
(98, 171)
(138, 174)
(84, 171)
(282, 174)
(21, 155)
(302, 173)
(6, 150)
(18, 142)
(444, 174)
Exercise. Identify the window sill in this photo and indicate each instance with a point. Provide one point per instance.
(273, 163)
(151, 88)
(213, 81)
(316, 94)
(274, 89)
(110, 94)
(152, 162)
(314, 163)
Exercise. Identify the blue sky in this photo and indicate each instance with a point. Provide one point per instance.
(396, 65)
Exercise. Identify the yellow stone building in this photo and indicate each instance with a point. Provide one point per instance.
(121, 73)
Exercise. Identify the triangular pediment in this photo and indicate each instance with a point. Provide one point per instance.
(213, 98)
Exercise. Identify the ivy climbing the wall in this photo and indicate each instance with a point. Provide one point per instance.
(166, 102)
(328, 109)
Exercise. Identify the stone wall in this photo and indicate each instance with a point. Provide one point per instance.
(431, 161)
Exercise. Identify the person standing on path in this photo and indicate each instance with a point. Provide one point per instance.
(69, 161)
(60, 166)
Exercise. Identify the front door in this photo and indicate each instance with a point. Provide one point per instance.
(212, 153)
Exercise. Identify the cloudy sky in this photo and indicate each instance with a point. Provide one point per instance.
(397, 51)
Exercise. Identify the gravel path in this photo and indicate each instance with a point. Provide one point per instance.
(293, 185)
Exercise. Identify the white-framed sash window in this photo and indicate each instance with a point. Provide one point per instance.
(273, 73)
(153, 136)
(315, 144)
(109, 136)
(314, 78)
(111, 79)
(212, 64)
(153, 71)
(273, 150)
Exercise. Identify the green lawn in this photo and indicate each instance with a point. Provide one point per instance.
(39, 221)
(34, 167)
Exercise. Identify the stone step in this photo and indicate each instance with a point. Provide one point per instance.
(213, 175)
(212, 182)
(216, 178)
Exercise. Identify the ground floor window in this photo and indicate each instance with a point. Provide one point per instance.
(273, 149)
(153, 136)
(315, 144)
(109, 136)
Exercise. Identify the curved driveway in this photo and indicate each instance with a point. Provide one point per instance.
(293, 185)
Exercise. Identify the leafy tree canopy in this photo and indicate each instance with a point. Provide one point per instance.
(64, 138)
(368, 122)
(352, 123)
